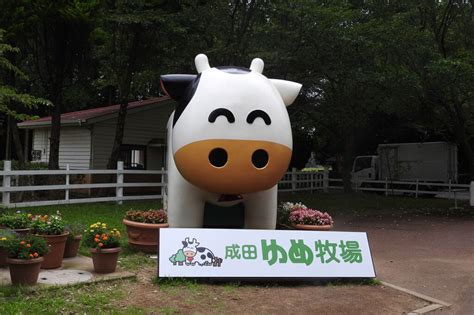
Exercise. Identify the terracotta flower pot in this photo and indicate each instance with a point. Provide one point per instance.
(24, 271)
(56, 245)
(105, 260)
(312, 227)
(144, 236)
(3, 257)
(72, 246)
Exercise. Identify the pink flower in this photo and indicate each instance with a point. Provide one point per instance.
(310, 217)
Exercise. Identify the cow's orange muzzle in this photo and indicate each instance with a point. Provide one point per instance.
(233, 166)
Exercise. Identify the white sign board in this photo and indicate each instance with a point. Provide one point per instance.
(263, 253)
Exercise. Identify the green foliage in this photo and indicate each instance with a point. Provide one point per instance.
(29, 247)
(74, 229)
(15, 220)
(27, 166)
(6, 236)
(48, 224)
(10, 98)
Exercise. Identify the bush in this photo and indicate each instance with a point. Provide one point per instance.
(16, 220)
(28, 165)
(48, 224)
(149, 216)
(99, 236)
(27, 248)
(310, 217)
(5, 237)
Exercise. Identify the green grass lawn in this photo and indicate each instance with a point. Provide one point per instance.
(103, 297)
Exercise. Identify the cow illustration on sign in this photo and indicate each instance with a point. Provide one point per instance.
(229, 141)
(191, 254)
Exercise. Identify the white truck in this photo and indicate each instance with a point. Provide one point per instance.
(425, 162)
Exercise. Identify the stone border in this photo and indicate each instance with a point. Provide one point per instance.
(435, 303)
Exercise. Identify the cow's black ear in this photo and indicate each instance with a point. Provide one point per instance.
(174, 85)
(184, 243)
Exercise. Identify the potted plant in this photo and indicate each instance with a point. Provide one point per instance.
(104, 245)
(304, 218)
(73, 239)
(25, 256)
(17, 222)
(5, 237)
(52, 229)
(143, 228)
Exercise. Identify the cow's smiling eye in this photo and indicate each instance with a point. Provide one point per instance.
(259, 113)
(221, 112)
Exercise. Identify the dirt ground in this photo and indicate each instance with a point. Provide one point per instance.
(225, 298)
(429, 254)
(432, 255)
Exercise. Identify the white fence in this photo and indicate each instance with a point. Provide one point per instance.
(8, 175)
(293, 181)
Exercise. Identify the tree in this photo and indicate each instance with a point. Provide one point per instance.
(131, 45)
(11, 100)
(55, 34)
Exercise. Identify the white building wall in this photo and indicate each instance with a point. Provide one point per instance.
(74, 146)
(140, 128)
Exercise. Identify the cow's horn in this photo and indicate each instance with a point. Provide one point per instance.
(202, 63)
(257, 65)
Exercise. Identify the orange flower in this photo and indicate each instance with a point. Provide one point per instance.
(96, 240)
(35, 254)
(28, 245)
(22, 242)
(97, 236)
(31, 255)
(104, 237)
(100, 244)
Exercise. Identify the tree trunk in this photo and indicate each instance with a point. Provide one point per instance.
(124, 91)
(53, 163)
(466, 148)
(347, 161)
(119, 131)
(17, 143)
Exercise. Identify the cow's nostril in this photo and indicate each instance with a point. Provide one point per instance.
(260, 158)
(218, 157)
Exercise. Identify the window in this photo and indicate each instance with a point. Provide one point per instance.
(363, 163)
(133, 156)
(36, 155)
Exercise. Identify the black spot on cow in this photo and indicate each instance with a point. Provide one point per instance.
(181, 87)
(209, 255)
(203, 256)
(201, 249)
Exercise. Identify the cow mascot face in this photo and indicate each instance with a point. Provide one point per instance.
(229, 141)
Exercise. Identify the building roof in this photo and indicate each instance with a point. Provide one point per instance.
(85, 116)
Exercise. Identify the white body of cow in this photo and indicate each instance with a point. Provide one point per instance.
(193, 180)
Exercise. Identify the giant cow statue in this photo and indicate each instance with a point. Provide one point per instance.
(229, 141)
